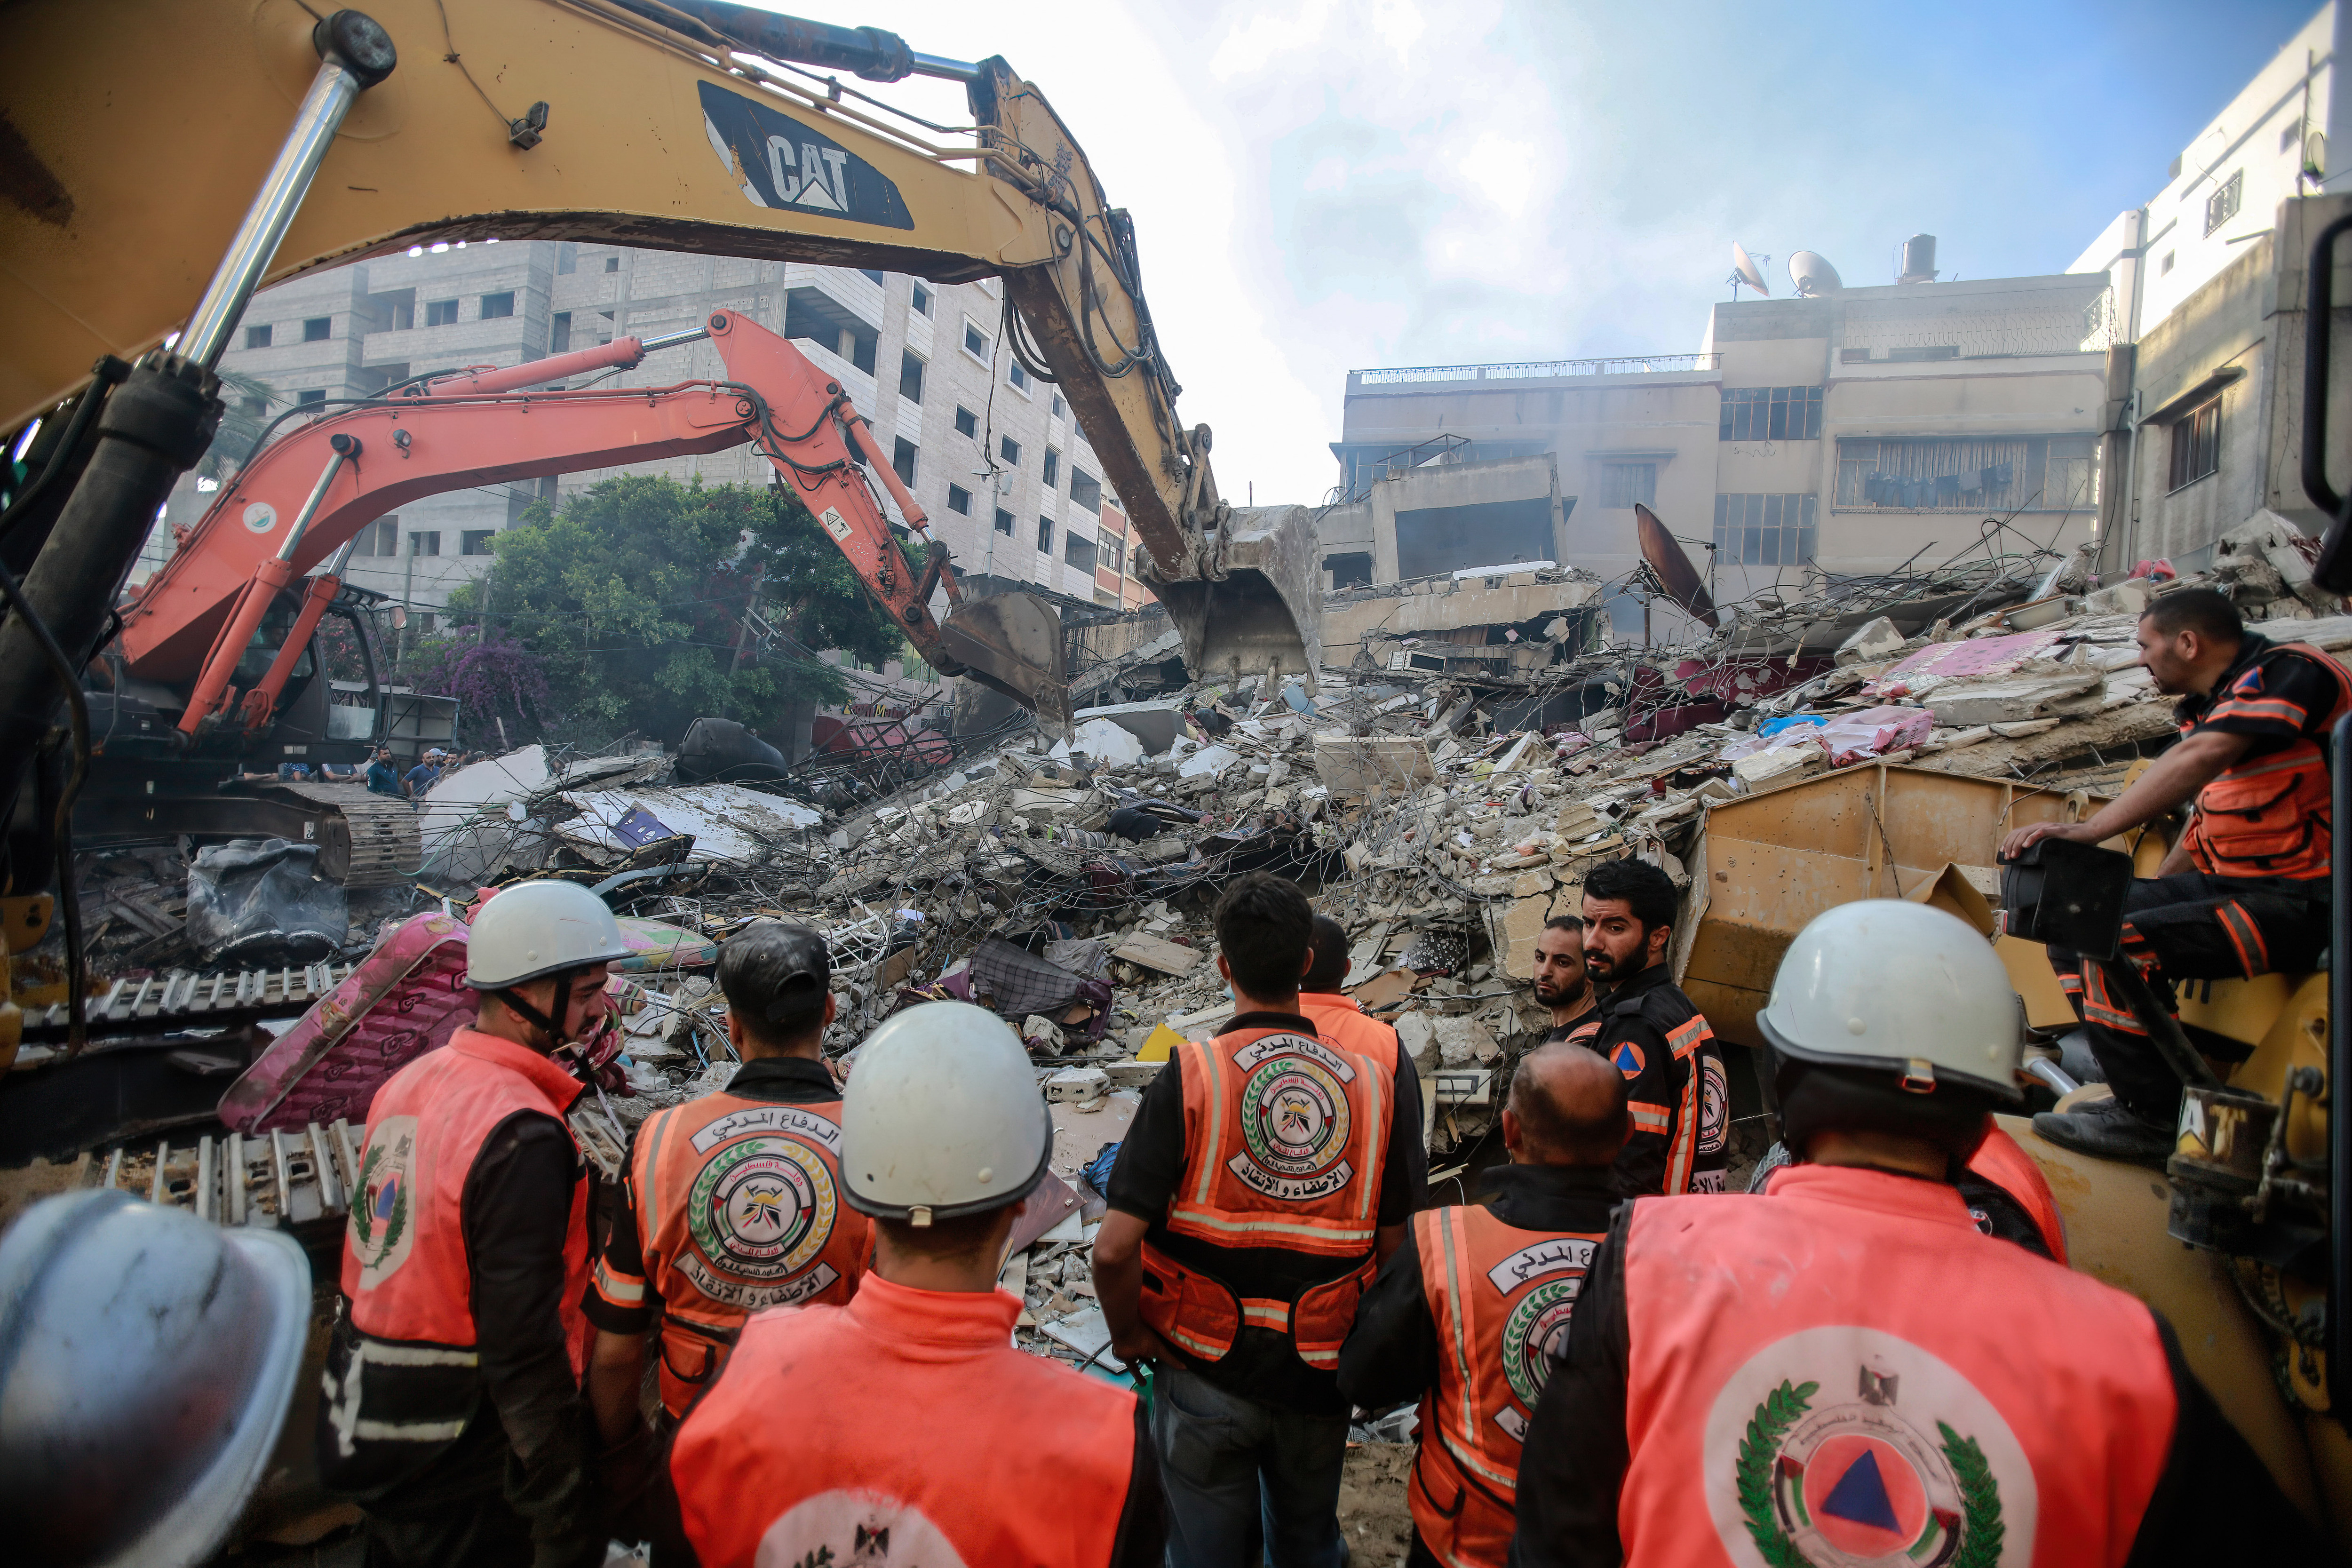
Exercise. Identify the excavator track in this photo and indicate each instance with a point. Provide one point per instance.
(365, 840)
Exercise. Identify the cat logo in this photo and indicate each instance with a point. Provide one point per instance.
(779, 162)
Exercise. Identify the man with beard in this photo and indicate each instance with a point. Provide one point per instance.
(1673, 1067)
(2244, 890)
(1562, 983)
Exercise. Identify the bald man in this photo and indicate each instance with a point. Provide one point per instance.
(1465, 1313)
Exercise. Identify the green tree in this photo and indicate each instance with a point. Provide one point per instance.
(631, 596)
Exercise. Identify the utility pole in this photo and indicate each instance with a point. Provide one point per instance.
(407, 613)
(484, 628)
(742, 636)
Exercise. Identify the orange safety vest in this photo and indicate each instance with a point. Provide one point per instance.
(903, 1428)
(1343, 1021)
(2272, 816)
(739, 1209)
(1501, 1297)
(1833, 1373)
(1285, 1141)
(1999, 1161)
(404, 1266)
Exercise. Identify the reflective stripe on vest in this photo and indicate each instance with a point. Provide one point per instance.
(1999, 1161)
(1684, 1041)
(1500, 1298)
(739, 1209)
(405, 1266)
(1833, 1373)
(902, 1428)
(1286, 1137)
(2272, 816)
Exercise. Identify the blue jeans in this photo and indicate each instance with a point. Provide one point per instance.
(1239, 1474)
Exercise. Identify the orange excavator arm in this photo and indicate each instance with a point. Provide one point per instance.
(303, 500)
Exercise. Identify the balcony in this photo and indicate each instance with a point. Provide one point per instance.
(1546, 369)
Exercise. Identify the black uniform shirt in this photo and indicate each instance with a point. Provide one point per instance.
(1263, 1365)
(2271, 697)
(1655, 1079)
(1392, 1353)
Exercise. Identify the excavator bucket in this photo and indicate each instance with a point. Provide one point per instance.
(1012, 643)
(1259, 607)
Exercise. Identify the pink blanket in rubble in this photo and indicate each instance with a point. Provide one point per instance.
(408, 996)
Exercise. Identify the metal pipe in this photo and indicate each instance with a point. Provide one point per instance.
(341, 450)
(2051, 1073)
(621, 353)
(940, 66)
(354, 53)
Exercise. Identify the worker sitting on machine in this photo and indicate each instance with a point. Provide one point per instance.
(2244, 890)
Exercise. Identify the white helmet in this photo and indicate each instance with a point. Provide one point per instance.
(942, 1117)
(147, 1362)
(1883, 983)
(534, 930)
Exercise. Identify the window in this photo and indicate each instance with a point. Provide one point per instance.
(1764, 530)
(1983, 474)
(424, 543)
(959, 500)
(902, 460)
(2223, 203)
(910, 378)
(1624, 484)
(1046, 535)
(1771, 414)
(317, 329)
(381, 537)
(441, 312)
(1016, 375)
(476, 540)
(2165, 267)
(567, 259)
(876, 277)
(256, 337)
(559, 334)
(497, 305)
(1004, 522)
(1078, 552)
(967, 422)
(255, 407)
(1084, 488)
(1052, 467)
(975, 343)
(310, 399)
(1060, 407)
(1351, 570)
(921, 301)
(611, 264)
(1010, 450)
(2197, 443)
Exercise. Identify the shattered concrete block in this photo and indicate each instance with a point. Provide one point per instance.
(1528, 884)
(1154, 725)
(1418, 1036)
(1872, 641)
(1964, 704)
(1107, 742)
(1078, 1086)
(1512, 929)
(1354, 766)
(1208, 763)
(1779, 765)
(2018, 732)
(1463, 1041)
(1132, 1073)
(2129, 597)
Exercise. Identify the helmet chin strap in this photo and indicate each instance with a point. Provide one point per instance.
(512, 997)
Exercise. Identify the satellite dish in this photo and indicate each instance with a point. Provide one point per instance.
(1812, 274)
(1674, 572)
(1744, 270)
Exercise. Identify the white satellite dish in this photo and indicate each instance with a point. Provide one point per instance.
(1744, 270)
(1812, 274)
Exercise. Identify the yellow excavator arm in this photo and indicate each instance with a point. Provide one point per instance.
(134, 134)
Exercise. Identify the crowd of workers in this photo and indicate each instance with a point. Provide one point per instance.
(1876, 1355)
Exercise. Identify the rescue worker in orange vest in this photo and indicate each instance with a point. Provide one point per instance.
(1673, 1067)
(904, 1427)
(1844, 1370)
(1337, 1017)
(1466, 1314)
(453, 1411)
(2005, 1191)
(732, 1201)
(1264, 1178)
(1563, 983)
(2244, 891)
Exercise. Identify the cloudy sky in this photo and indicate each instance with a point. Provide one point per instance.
(1320, 186)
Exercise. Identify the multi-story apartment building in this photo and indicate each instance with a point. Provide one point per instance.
(992, 455)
